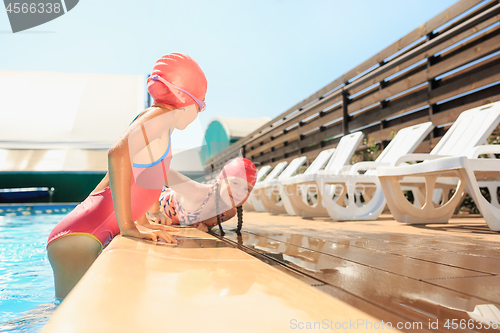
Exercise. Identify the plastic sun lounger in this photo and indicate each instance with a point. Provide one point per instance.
(139, 286)
(255, 195)
(268, 191)
(248, 205)
(453, 161)
(289, 193)
(344, 204)
(299, 187)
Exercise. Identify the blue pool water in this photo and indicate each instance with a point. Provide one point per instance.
(26, 282)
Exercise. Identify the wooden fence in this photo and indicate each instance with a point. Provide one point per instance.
(447, 65)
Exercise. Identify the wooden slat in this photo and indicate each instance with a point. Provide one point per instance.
(473, 79)
(487, 47)
(412, 101)
(480, 50)
(433, 42)
(329, 132)
(318, 107)
(294, 134)
(418, 57)
(331, 116)
(440, 19)
(389, 91)
(452, 108)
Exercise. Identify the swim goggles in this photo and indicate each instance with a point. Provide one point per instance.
(175, 90)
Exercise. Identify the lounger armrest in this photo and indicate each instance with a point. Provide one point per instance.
(417, 157)
(486, 149)
(354, 170)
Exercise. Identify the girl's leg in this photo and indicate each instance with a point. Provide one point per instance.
(71, 257)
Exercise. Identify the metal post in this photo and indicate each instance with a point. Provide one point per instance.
(345, 112)
(431, 84)
(51, 193)
(148, 96)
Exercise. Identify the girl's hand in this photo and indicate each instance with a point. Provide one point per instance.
(155, 226)
(158, 218)
(148, 233)
(200, 226)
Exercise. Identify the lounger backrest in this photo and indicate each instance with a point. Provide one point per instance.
(405, 142)
(320, 161)
(293, 167)
(471, 129)
(276, 171)
(262, 172)
(343, 153)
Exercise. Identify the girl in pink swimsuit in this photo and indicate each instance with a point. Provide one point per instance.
(186, 202)
(138, 165)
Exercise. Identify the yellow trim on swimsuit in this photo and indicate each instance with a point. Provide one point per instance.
(79, 233)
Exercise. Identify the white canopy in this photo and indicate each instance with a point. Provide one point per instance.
(237, 128)
(64, 122)
(43, 110)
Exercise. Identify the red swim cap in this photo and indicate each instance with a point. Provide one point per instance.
(182, 71)
(240, 167)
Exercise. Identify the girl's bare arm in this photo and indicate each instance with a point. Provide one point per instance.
(120, 174)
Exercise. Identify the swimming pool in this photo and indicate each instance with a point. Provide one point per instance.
(26, 282)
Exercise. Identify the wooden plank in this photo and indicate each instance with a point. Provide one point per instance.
(382, 135)
(472, 79)
(279, 153)
(289, 136)
(466, 17)
(486, 47)
(438, 20)
(482, 287)
(294, 134)
(385, 134)
(440, 118)
(431, 43)
(353, 100)
(390, 90)
(422, 115)
(451, 109)
(307, 112)
(319, 136)
(278, 130)
(385, 260)
(334, 262)
(328, 117)
(476, 76)
(413, 100)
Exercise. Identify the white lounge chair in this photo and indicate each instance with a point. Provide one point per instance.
(464, 140)
(287, 193)
(249, 204)
(298, 188)
(254, 196)
(268, 191)
(346, 203)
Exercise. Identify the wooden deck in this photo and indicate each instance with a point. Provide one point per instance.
(395, 272)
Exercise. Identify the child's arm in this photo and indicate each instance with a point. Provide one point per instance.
(156, 216)
(120, 174)
(208, 224)
(184, 186)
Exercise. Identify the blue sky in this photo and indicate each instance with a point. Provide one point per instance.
(260, 57)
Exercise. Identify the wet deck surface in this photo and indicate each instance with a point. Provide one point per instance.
(394, 272)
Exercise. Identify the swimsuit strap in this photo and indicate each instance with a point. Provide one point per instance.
(213, 187)
(187, 218)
